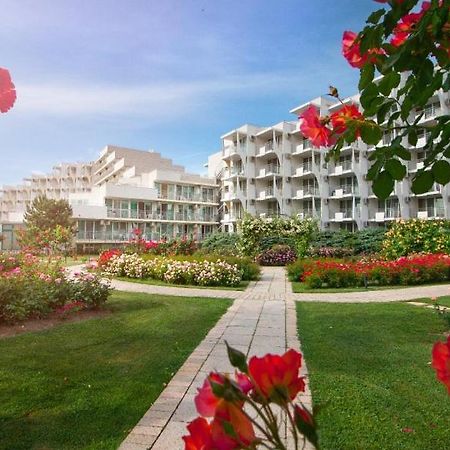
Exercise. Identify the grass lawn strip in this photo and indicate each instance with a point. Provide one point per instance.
(85, 385)
(369, 367)
(299, 287)
(241, 287)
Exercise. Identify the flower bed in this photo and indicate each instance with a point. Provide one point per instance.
(278, 255)
(201, 273)
(415, 269)
(30, 287)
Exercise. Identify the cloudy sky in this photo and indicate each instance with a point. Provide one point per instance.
(169, 75)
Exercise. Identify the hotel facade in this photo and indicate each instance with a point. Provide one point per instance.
(274, 171)
(123, 190)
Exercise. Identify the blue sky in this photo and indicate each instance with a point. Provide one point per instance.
(168, 75)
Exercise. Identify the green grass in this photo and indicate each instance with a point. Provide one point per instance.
(85, 385)
(299, 288)
(442, 301)
(369, 368)
(241, 287)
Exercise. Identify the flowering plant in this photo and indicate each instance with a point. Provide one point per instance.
(247, 410)
(409, 45)
(278, 255)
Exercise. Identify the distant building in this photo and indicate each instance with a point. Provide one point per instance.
(123, 190)
(272, 171)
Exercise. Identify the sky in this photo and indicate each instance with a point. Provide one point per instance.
(167, 75)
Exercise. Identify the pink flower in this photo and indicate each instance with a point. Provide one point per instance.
(7, 91)
(340, 118)
(314, 129)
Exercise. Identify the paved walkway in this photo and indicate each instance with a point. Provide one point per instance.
(261, 320)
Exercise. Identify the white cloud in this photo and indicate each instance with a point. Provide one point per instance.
(149, 100)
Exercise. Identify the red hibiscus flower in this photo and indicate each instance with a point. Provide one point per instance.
(200, 437)
(407, 25)
(313, 129)
(7, 91)
(441, 362)
(276, 377)
(340, 118)
(229, 414)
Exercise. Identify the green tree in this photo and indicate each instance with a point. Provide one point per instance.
(49, 226)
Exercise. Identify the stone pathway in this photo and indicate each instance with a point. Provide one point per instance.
(261, 320)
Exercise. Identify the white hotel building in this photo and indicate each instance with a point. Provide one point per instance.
(275, 171)
(123, 190)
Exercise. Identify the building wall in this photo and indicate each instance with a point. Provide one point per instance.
(275, 171)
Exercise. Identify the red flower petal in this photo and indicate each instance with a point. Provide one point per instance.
(7, 91)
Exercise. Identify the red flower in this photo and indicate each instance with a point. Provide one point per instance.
(441, 362)
(340, 118)
(200, 437)
(7, 91)
(407, 25)
(313, 129)
(206, 402)
(352, 51)
(231, 414)
(276, 377)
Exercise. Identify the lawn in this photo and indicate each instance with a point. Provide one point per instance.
(369, 369)
(241, 287)
(299, 288)
(84, 385)
(442, 301)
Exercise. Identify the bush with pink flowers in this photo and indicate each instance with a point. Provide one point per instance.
(31, 287)
(278, 255)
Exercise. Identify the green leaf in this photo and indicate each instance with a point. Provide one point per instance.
(422, 182)
(396, 169)
(383, 185)
(237, 358)
(389, 82)
(391, 61)
(371, 132)
(376, 16)
(402, 153)
(441, 171)
(366, 77)
(368, 95)
(412, 137)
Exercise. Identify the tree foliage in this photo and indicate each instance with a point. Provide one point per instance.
(408, 43)
(49, 226)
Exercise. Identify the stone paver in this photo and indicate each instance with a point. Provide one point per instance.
(262, 319)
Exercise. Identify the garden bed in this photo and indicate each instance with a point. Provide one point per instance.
(376, 386)
(84, 385)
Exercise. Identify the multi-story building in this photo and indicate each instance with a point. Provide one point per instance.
(127, 190)
(276, 171)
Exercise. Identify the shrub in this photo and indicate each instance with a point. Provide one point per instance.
(416, 236)
(176, 271)
(36, 288)
(416, 269)
(106, 256)
(278, 255)
(255, 229)
(224, 244)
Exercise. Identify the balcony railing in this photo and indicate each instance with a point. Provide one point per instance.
(266, 193)
(348, 213)
(307, 191)
(169, 215)
(229, 151)
(431, 212)
(344, 190)
(271, 169)
(233, 172)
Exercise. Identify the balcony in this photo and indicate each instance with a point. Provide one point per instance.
(269, 171)
(388, 214)
(344, 191)
(230, 152)
(306, 192)
(343, 167)
(304, 169)
(304, 147)
(266, 150)
(431, 213)
(230, 218)
(266, 194)
(233, 172)
(430, 112)
(308, 214)
(415, 166)
(345, 215)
